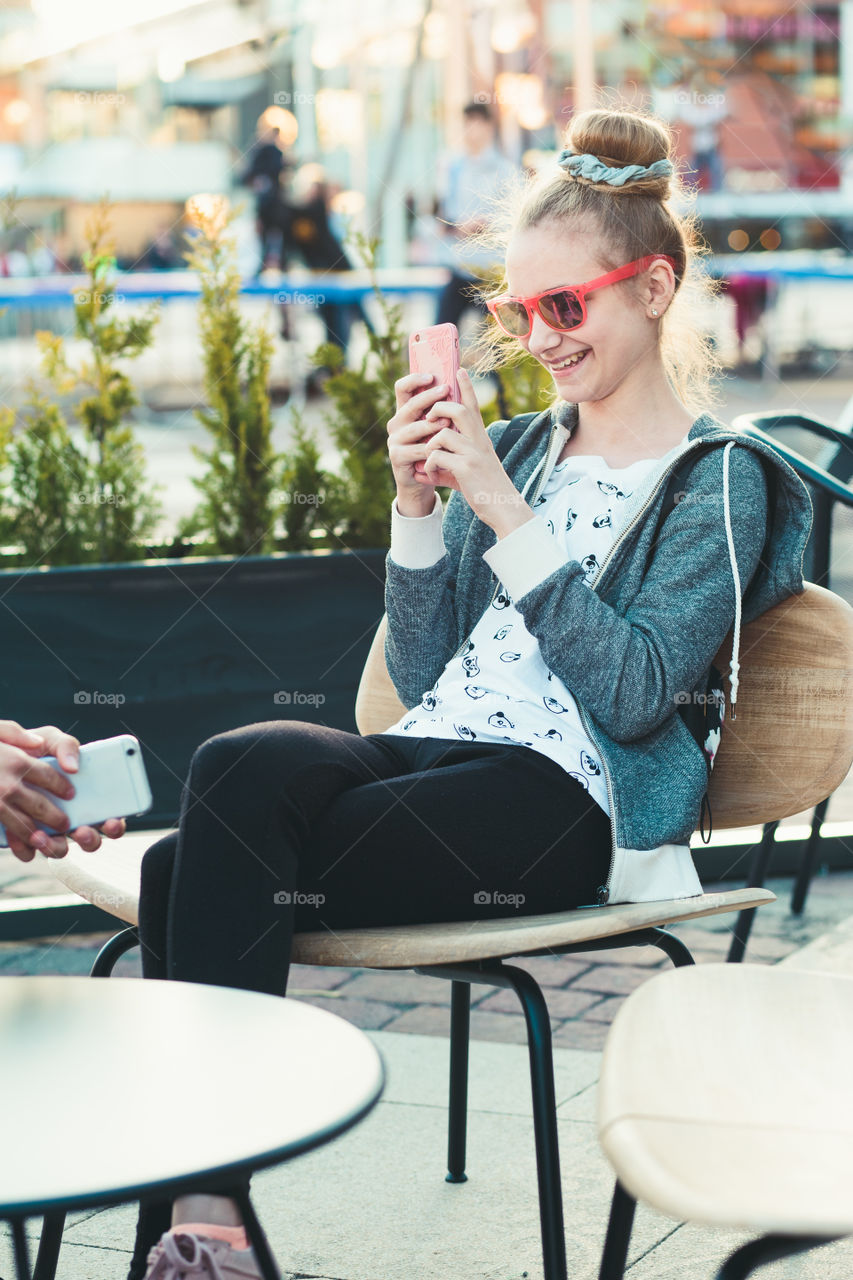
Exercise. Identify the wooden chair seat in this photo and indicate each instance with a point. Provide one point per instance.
(109, 878)
(725, 1098)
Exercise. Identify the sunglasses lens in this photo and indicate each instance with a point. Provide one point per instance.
(512, 317)
(561, 310)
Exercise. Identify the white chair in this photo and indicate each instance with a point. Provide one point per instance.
(725, 1099)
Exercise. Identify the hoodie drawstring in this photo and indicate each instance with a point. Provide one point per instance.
(735, 664)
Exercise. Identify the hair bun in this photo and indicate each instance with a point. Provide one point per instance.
(620, 138)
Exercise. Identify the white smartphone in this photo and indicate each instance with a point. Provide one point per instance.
(110, 783)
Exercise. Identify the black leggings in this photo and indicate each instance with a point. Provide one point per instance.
(291, 827)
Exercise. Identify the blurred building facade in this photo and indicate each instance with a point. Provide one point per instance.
(153, 110)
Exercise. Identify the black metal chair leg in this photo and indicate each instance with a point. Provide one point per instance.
(672, 946)
(772, 1248)
(22, 1253)
(112, 951)
(457, 1113)
(757, 875)
(50, 1243)
(807, 862)
(618, 1238)
(544, 1119)
(257, 1238)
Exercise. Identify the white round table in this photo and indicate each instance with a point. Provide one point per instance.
(128, 1089)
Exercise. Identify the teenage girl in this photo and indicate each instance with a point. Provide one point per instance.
(545, 631)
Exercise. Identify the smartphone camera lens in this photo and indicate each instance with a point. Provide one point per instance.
(131, 751)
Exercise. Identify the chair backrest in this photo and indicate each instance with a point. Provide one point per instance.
(791, 744)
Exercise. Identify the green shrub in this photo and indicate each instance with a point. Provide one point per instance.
(66, 502)
(239, 507)
(363, 401)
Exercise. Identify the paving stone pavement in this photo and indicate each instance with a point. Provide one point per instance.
(584, 991)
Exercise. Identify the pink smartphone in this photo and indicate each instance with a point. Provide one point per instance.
(436, 350)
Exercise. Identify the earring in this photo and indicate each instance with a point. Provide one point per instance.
(654, 311)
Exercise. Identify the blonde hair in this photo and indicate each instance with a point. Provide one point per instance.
(633, 220)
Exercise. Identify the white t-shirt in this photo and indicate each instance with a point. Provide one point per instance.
(498, 688)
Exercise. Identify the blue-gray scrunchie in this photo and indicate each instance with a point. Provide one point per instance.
(587, 166)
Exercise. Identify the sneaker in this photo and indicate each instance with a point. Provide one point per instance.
(183, 1254)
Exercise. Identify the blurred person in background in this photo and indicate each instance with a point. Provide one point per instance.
(161, 253)
(311, 236)
(264, 173)
(474, 181)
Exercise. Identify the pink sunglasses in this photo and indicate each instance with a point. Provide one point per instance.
(563, 308)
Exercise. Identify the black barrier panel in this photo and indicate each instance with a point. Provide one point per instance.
(175, 651)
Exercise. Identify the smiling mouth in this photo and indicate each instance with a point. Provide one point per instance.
(570, 362)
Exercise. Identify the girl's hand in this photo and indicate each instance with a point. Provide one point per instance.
(21, 806)
(407, 444)
(465, 459)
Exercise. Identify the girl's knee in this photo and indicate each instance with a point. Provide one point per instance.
(157, 863)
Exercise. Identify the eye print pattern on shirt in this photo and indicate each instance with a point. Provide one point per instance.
(471, 666)
(590, 567)
(499, 721)
(501, 601)
(503, 633)
(612, 489)
(589, 764)
(465, 732)
(509, 656)
(603, 521)
(553, 705)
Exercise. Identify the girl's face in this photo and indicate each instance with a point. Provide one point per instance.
(616, 340)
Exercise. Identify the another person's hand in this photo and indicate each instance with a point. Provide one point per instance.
(407, 444)
(465, 459)
(22, 807)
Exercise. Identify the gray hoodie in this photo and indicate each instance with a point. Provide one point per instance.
(639, 640)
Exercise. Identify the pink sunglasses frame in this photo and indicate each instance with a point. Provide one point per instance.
(579, 290)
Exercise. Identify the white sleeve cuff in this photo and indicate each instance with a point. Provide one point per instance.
(525, 557)
(417, 541)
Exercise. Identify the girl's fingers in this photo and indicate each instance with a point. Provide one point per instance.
(417, 406)
(467, 393)
(420, 431)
